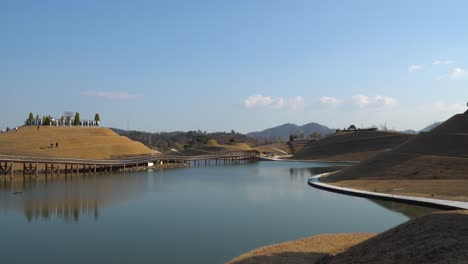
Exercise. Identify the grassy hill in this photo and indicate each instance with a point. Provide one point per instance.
(213, 148)
(347, 146)
(433, 238)
(432, 164)
(75, 142)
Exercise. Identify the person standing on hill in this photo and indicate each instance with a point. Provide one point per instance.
(56, 144)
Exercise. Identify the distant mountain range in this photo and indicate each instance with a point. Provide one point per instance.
(284, 131)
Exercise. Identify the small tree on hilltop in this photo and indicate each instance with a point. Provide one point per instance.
(291, 138)
(97, 118)
(352, 127)
(77, 119)
(30, 118)
(46, 121)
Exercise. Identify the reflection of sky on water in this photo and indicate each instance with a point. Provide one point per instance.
(290, 182)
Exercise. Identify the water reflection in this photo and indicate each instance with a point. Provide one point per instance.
(410, 211)
(68, 198)
(302, 174)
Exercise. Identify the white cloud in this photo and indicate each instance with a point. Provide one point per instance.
(416, 67)
(121, 96)
(261, 101)
(327, 100)
(443, 62)
(449, 107)
(385, 100)
(458, 73)
(363, 101)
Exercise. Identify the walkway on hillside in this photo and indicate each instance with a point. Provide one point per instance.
(444, 204)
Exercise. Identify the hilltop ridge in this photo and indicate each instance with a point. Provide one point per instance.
(283, 132)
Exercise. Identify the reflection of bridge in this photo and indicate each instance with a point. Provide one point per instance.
(25, 165)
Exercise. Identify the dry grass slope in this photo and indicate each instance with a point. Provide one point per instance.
(74, 142)
(434, 238)
(308, 250)
(433, 164)
(349, 146)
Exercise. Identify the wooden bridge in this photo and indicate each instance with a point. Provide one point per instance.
(10, 166)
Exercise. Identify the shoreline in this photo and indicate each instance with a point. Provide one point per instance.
(428, 202)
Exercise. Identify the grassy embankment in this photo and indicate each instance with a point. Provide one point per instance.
(351, 146)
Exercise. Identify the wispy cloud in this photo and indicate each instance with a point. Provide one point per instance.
(416, 67)
(269, 102)
(443, 62)
(363, 101)
(332, 101)
(120, 96)
(458, 73)
(443, 107)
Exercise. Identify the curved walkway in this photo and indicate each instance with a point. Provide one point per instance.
(436, 203)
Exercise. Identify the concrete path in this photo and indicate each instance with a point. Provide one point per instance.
(443, 204)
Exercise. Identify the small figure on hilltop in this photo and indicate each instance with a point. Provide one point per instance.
(16, 129)
(56, 144)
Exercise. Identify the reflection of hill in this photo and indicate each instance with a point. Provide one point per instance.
(69, 198)
(411, 211)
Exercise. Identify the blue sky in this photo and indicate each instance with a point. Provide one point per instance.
(242, 65)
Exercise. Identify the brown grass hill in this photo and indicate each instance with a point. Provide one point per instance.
(352, 146)
(213, 148)
(432, 164)
(73, 142)
(433, 238)
(278, 148)
(285, 148)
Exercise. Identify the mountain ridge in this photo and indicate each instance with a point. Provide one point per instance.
(283, 131)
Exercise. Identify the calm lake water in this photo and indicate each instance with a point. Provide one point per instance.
(190, 215)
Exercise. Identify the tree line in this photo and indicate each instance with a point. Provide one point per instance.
(68, 118)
